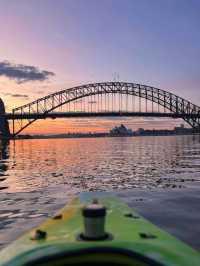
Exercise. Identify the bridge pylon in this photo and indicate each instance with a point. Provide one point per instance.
(4, 125)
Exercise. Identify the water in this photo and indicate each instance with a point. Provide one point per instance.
(38, 176)
(100, 164)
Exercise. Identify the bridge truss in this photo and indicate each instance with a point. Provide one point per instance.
(107, 97)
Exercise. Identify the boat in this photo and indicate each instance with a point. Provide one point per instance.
(98, 229)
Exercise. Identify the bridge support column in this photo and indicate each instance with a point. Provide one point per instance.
(4, 126)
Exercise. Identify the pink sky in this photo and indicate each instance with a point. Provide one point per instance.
(70, 39)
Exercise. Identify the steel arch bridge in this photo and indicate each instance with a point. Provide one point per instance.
(121, 94)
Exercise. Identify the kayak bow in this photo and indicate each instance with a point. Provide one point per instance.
(68, 238)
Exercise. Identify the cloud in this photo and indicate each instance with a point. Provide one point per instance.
(16, 95)
(23, 73)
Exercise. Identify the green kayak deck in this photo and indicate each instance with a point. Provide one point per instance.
(132, 240)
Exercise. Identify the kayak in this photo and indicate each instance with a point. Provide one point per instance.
(98, 229)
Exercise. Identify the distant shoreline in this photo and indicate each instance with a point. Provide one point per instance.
(62, 136)
(120, 131)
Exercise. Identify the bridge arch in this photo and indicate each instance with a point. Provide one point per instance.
(175, 104)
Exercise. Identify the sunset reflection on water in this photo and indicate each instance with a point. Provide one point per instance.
(99, 164)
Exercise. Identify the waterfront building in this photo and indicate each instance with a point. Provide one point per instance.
(121, 131)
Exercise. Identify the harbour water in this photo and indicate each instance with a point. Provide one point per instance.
(37, 177)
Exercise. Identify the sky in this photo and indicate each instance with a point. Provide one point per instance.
(46, 46)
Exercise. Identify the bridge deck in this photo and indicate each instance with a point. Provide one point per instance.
(54, 115)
